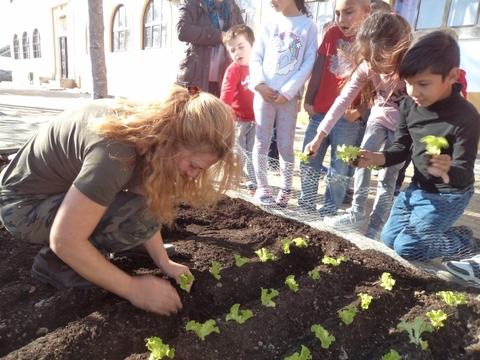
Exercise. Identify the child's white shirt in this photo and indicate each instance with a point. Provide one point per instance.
(284, 54)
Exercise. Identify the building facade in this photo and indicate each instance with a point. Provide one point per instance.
(50, 41)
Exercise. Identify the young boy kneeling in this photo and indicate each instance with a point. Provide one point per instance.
(420, 223)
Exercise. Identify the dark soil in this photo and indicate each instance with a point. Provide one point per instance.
(38, 322)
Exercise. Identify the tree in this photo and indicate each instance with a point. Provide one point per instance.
(96, 30)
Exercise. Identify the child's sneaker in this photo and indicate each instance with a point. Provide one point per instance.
(348, 219)
(467, 269)
(252, 187)
(283, 198)
(264, 197)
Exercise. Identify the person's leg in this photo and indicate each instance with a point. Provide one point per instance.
(273, 152)
(286, 122)
(264, 120)
(240, 148)
(249, 143)
(401, 174)
(384, 196)
(428, 233)
(343, 133)
(310, 172)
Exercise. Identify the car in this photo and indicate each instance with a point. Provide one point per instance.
(5, 75)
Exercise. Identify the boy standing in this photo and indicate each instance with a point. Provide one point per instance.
(235, 92)
(332, 65)
(420, 223)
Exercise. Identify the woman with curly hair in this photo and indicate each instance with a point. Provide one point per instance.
(103, 178)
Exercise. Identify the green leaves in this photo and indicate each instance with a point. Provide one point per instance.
(348, 314)
(434, 144)
(304, 355)
(386, 281)
(416, 331)
(239, 261)
(240, 318)
(303, 157)
(328, 260)
(158, 349)
(314, 274)
(347, 153)
(437, 317)
(297, 242)
(365, 300)
(186, 281)
(215, 270)
(392, 355)
(323, 335)
(451, 299)
(292, 284)
(264, 255)
(204, 329)
(267, 297)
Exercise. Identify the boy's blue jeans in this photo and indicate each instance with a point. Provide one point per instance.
(420, 224)
(344, 132)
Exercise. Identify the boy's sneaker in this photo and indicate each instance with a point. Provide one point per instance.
(467, 269)
(372, 233)
(252, 187)
(283, 198)
(348, 219)
(264, 197)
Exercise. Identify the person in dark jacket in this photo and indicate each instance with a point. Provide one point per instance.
(202, 25)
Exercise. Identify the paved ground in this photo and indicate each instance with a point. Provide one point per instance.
(23, 109)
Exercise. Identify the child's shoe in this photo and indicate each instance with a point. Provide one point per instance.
(283, 198)
(467, 269)
(264, 196)
(348, 219)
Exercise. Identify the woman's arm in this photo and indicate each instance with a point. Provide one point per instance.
(190, 30)
(76, 219)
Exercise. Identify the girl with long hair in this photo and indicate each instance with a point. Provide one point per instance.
(380, 45)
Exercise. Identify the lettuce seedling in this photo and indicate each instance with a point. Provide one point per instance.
(348, 314)
(434, 144)
(386, 281)
(451, 299)
(392, 355)
(204, 329)
(414, 333)
(158, 349)
(328, 260)
(303, 157)
(267, 298)
(215, 270)
(314, 274)
(186, 281)
(323, 335)
(239, 261)
(349, 153)
(437, 317)
(240, 318)
(264, 255)
(297, 242)
(292, 284)
(304, 355)
(365, 300)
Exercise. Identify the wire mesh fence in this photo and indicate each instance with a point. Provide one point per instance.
(459, 241)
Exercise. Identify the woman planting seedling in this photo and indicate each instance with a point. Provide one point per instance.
(117, 171)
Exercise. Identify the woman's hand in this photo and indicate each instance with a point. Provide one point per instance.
(153, 294)
(440, 166)
(174, 270)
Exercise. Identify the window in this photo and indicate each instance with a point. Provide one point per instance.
(462, 12)
(26, 46)
(248, 8)
(322, 12)
(156, 23)
(37, 50)
(16, 47)
(122, 36)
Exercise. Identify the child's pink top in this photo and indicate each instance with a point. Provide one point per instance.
(385, 109)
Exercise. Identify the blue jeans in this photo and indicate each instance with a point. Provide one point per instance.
(344, 132)
(420, 224)
(375, 136)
